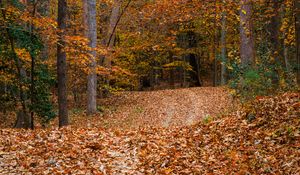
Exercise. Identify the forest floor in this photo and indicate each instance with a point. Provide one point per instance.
(185, 131)
(163, 108)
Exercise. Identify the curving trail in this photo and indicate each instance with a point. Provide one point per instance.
(167, 108)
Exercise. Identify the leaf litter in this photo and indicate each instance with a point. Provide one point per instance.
(262, 137)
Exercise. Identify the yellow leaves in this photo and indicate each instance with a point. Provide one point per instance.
(23, 54)
(102, 70)
(80, 55)
(6, 77)
(167, 171)
(181, 64)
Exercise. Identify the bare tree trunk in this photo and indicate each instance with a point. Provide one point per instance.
(91, 33)
(111, 35)
(62, 65)
(246, 33)
(223, 49)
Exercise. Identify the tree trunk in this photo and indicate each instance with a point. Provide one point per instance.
(62, 65)
(33, 65)
(276, 50)
(44, 10)
(246, 33)
(23, 120)
(215, 53)
(297, 21)
(223, 50)
(285, 46)
(172, 71)
(111, 35)
(91, 33)
(274, 30)
(110, 38)
(198, 62)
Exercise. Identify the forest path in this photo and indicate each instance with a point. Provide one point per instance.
(165, 108)
(229, 143)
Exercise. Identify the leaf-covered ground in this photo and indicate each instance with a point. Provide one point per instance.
(164, 108)
(260, 138)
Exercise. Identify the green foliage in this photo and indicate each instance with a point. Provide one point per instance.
(42, 105)
(267, 77)
(207, 119)
(24, 39)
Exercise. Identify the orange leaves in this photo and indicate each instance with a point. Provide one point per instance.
(23, 54)
(167, 11)
(227, 145)
(78, 52)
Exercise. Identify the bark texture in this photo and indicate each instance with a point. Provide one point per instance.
(62, 65)
(91, 33)
(246, 34)
(111, 35)
(223, 50)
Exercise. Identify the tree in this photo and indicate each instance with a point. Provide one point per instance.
(274, 26)
(89, 7)
(23, 119)
(62, 65)
(297, 21)
(115, 15)
(223, 47)
(246, 33)
(215, 43)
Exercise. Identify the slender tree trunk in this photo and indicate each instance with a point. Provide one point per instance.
(246, 33)
(62, 65)
(109, 41)
(285, 46)
(172, 72)
(297, 21)
(223, 50)
(91, 34)
(198, 62)
(286, 57)
(215, 78)
(44, 10)
(33, 65)
(111, 35)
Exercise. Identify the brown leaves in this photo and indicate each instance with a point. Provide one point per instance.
(268, 144)
(167, 107)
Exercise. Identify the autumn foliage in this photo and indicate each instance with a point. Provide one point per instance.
(131, 87)
(263, 141)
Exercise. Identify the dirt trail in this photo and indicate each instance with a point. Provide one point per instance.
(167, 107)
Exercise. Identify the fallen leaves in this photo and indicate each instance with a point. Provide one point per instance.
(269, 143)
(165, 108)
